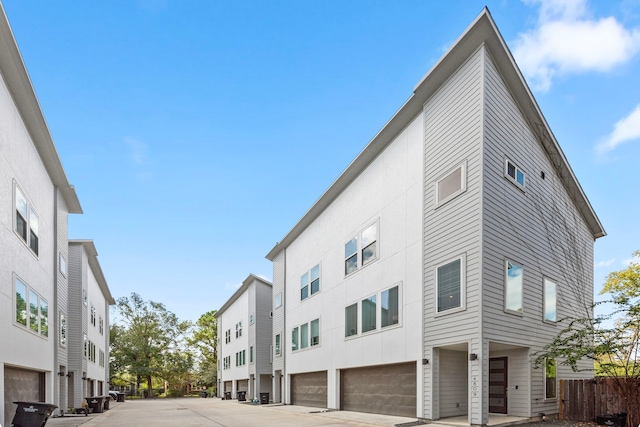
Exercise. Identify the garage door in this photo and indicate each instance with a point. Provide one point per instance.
(309, 389)
(21, 384)
(243, 385)
(387, 389)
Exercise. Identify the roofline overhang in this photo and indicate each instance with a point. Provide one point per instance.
(24, 97)
(92, 256)
(245, 285)
(482, 31)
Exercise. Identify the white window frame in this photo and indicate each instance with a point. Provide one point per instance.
(277, 345)
(30, 223)
(463, 286)
(62, 265)
(277, 301)
(514, 179)
(379, 328)
(309, 283)
(463, 184)
(309, 343)
(360, 263)
(546, 281)
(506, 278)
(39, 317)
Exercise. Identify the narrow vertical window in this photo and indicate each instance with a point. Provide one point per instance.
(21, 214)
(351, 256)
(44, 318)
(304, 335)
(21, 303)
(277, 301)
(63, 330)
(550, 379)
(389, 314)
(304, 286)
(351, 320)
(294, 339)
(315, 279)
(315, 332)
(369, 314)
(369, 242)
(34, 231)
(278, 345)
(84, 297)
(550, 300)
(86, 349)
(63, 265)
(251, 354)
(449, 283)
(513, 287)
(33, 311)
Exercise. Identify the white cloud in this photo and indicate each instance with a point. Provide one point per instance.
(607, 263)
(566, 40)
(137, 150)
(632, 260)
(625, 130)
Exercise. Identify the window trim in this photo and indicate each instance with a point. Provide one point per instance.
(309, 344)
(63, 266)
(546, 280)
(508, 261)
(463, 286)
(360, 263)
(309, 282)
(39, 317)
(29, 229)
(359, 311)
(277, 345)
(463, 184)
(277, 301)
(514, 180)
(544, 376)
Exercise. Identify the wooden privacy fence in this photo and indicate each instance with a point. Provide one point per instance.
(583, 400)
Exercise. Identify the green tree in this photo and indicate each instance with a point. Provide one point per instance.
(204, 341)
(145, 338)
(611, 340)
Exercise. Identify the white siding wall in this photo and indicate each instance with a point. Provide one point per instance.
(453, 134)
(236, 312)
(515, 229)
(389, 192)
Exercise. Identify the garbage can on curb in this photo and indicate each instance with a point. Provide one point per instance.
(203, 393)
(96, 403)
(242, 396)
(227, 395)
(32, 414)
(264, 398)
(106, 400)
(120, 397)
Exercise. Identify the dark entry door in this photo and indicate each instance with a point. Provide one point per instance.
(498, 385)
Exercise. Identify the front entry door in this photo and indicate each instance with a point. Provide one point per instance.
(498, 385)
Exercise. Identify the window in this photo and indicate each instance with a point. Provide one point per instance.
(550, 300)
(101, 359)
(514, 173)
(452, 184)
(44, 318)
(84, 297)
(62, 265)
(32, 311)
(251, 319)
(241, 358)
(63, 330)
(101, 325)
(86, 346)
(93, 315)
(27, 222)
(369, 314)
(227, 336)
(450, 285)
(21, 303)
(310, 279)
(315, 332)
(277, 301)
(251, 354)
(513, 287)
(389, 314)
(351, 320)
(304, 335)
(550, 380)
(227, 362)
(238, 330)
(278, 345)
(294, 339)
(366, 244)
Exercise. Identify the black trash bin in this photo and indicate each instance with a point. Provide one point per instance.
(264, 398)
(32, 414)
(203, 393)
(227, 395)
(612, 420)
(106, 400)
(96, 403)
(242, 396)
(120, 397)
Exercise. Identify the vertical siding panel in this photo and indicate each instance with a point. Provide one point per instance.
(278, 323)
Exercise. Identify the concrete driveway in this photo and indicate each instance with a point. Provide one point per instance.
(186, 412)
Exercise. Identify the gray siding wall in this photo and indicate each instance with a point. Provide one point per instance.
(453, 134)
(533, 228)
(252, 328)
(62, 298)
(77, 319)
(278, 321)
(264, 328)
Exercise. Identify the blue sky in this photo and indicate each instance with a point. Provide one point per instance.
(197, 133)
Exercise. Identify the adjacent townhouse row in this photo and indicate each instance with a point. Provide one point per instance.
(54, 299)
(423, 280)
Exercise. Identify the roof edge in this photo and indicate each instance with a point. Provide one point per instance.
(245, 285)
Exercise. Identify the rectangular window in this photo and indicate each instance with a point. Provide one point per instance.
(304, 335)
(33, 311)
(93, 315)
(86, 346)
(351, 256)
(63, 330)
(33, 231)
(550, 379)
(21, 303)
(513, 287)
(514, 173)
(550, 300)
(294, 339)
(62, 265)
(351, 320)
(278, 345)
(310, 282)
(238, 329)
(369, 314)
(315, 332)
(449, 285)
(227, 336)
(304, 286)
(454, 183)
(101, 325)
(369, 240)
(251, 319)
(315, 279)
(389, 303)
(244, 357)
(21, 214)
(251, 354)
(277, 301)
(84, 297)
(44, 318)
(27, 222)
